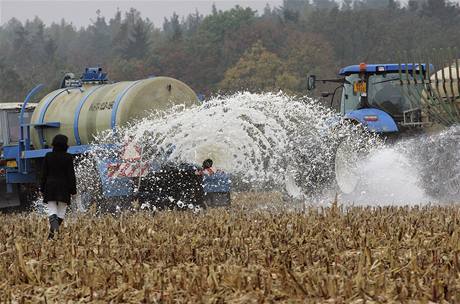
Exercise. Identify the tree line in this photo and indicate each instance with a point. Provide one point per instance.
(226, 51)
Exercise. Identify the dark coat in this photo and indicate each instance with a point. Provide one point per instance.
(58, 180)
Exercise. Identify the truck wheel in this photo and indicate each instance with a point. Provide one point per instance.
(293, 189)
(172, 187)
(28, 194)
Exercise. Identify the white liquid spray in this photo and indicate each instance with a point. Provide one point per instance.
(273, 142)
(387, 177)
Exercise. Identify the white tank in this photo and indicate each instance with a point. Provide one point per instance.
(80, 113)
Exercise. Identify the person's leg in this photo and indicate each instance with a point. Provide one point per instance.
(61, 209)
(53, 218)
(51, 208)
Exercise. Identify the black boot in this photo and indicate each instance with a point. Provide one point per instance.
(60, 220)
(54, 226)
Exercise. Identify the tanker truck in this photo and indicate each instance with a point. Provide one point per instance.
(81, 109)
(396, 101)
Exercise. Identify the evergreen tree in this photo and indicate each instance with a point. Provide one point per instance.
(211, 52)
(138, 40)
(11, 86)
(172, 27)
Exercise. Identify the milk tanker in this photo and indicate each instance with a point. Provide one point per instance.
(81, 109)
(81, 112)
(402, 100)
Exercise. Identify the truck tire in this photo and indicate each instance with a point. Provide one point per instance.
(21, 200)
(89, 186)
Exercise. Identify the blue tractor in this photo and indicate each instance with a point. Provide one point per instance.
(372, 96)
(395, 100)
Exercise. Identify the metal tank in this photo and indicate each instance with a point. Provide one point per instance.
(440, 97)
(434, 94)
(80, 112)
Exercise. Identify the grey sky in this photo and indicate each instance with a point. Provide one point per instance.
(79, 12)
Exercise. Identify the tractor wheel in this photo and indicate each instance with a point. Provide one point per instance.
(172, 187)
(348, 155)
(346, 160)
(440, 162)
(292, 187)
(453, 187)
(22, 199)
(217, 199)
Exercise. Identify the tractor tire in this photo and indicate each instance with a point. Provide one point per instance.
(439, 159)
(346, 176)
(348, 154)
(28, 194)
(217, 199)
(21, 200)
(172, 187)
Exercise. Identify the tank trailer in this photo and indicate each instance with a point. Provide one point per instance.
(82, 108)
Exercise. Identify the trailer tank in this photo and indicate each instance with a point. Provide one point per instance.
(444, 105)
(81, 112)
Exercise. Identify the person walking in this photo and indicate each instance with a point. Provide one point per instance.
(58, 182)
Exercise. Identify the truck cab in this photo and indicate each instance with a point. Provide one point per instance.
(372, 95)
(9, 137)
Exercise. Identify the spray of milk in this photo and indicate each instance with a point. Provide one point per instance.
(267, 142)
(274, 142)
(420, 170)
(389, 177)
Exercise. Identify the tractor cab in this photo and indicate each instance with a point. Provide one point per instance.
(9, 136)
(372, 95)
(9, 124)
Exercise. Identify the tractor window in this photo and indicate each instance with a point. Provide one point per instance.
(385, 93)
(350, 100)
(13, 126)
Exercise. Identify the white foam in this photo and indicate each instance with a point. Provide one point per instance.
(388, 177)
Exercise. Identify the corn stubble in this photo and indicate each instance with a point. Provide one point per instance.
(245, 254)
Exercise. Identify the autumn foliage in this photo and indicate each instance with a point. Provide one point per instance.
(236, 49)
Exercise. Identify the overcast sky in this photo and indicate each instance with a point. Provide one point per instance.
(79, 12)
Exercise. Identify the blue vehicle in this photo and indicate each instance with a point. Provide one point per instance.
(372, 96)
(80, 109)
(395, 100)
(11, 194)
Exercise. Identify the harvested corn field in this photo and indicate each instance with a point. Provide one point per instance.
(238, 255)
